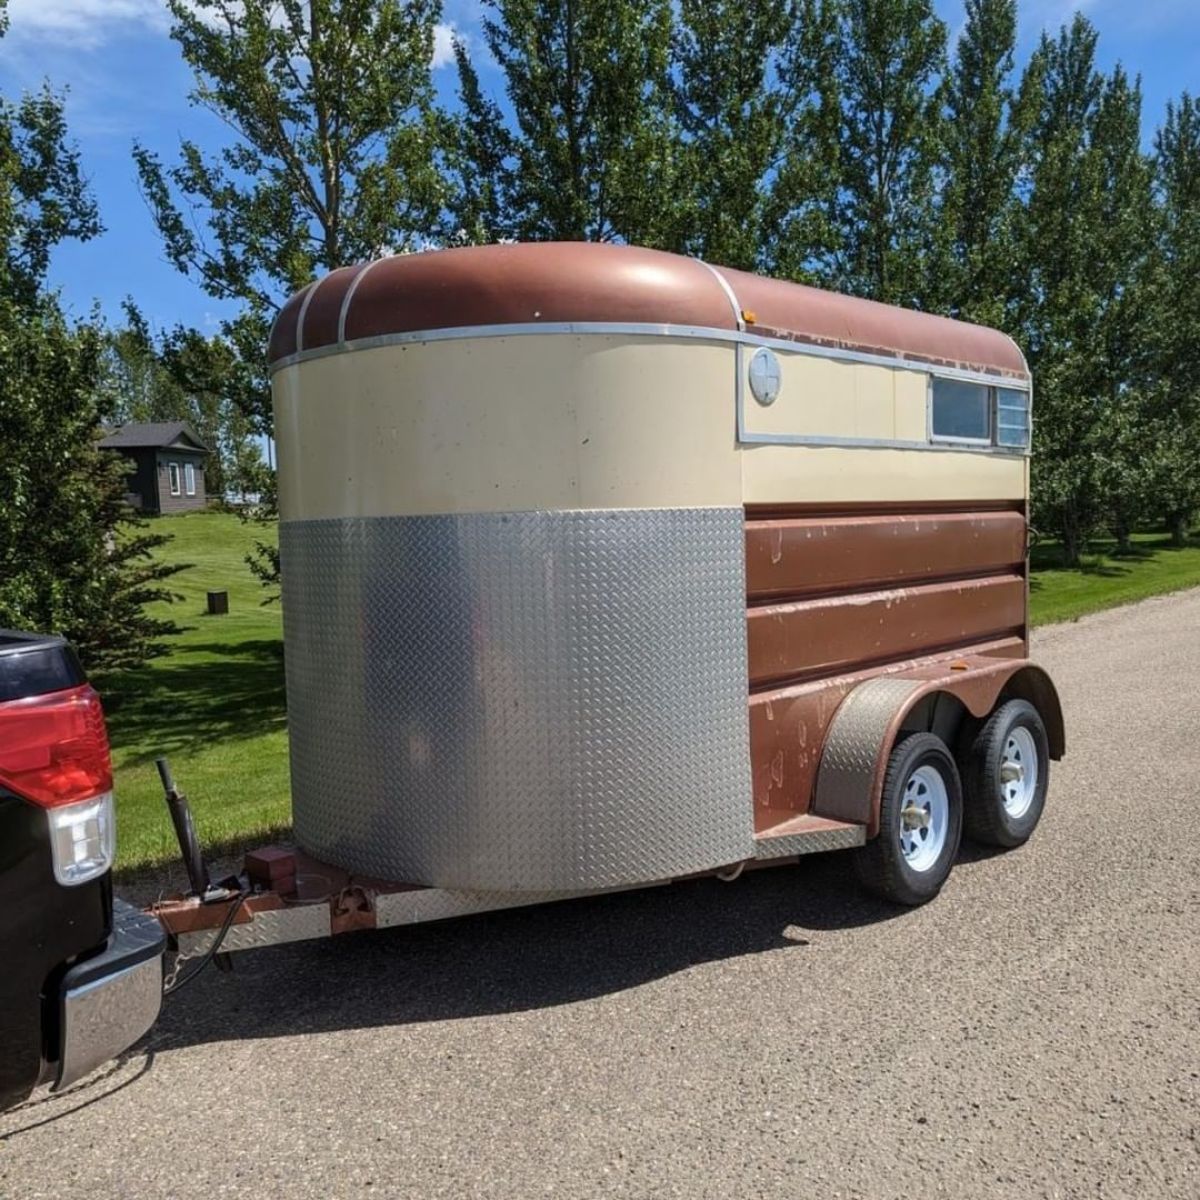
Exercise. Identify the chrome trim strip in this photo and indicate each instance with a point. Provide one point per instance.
(730, 294)
(358, 278)
(864, 443)
(649, 329)
(308, 295)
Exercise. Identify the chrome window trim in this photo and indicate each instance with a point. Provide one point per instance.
(651, 329)
(948, 439)
(752, 438)
(1025, 428)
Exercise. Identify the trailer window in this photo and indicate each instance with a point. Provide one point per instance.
(961, 412)
(1012, 418)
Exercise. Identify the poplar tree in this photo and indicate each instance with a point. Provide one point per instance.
(1122, 267)
(330, 161)
(1057, 310)
(478, 162)
(973, 271)
(892, 58)
(1086, 242)
(591, 152)
(803, 227)
(1177, 340)
(733, 113)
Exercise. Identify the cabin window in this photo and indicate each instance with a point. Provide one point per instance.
(189, 478)
(1012, 418)
(961, 412)
(173, 475)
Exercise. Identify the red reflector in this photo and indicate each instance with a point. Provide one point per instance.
(54, 748)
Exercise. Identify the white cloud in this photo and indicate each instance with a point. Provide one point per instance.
(84, 22)
(443, 45)
(90, 22)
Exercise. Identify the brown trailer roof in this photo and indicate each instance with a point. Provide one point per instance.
(574, 282)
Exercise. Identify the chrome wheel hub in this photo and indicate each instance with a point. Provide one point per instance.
(924, 819)
(1018, 772)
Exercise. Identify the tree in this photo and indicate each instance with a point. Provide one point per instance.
(1123, 269)
(1056, 314)
(478, 155)
(733, 116)
(73, 558)
(591, 152)
(893, 52)
(332, 161)
(330, 107)
(802, 223)
(973, 271)
(1086, 232)
(1177, 341)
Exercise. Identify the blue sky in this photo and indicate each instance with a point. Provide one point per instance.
(126, 81)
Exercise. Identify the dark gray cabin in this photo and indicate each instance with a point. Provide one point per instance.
(167, 465)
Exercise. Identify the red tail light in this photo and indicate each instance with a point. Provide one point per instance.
(54, 748)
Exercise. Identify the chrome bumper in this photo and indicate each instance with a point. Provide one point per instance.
(109, 1001)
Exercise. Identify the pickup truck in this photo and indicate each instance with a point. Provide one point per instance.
(82, 977)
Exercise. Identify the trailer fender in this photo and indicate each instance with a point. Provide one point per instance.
(871, 717)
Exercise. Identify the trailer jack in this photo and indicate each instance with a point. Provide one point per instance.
(202, 886)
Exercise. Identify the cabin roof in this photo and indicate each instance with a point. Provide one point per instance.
(555, 283)
(139, 435)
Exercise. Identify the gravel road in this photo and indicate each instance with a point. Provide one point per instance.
(1035, 1032)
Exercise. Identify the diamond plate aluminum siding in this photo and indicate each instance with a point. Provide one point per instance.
(845, 780)
(519, 701)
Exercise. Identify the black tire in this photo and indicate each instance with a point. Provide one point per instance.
(881, 865)
(987, 818)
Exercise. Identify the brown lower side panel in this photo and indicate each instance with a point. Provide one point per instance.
(839, 593)
(802, 556)
(813, 638)
(788, 727)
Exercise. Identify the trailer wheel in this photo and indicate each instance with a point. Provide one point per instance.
(920, 823)
(1006, 770)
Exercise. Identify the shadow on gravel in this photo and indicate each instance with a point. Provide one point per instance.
(46, 1107)
(517, 960)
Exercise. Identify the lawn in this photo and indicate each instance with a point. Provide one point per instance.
(215, 705)
(1107, 578)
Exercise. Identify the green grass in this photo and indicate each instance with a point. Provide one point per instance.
(1107, 578)
(215, 705)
